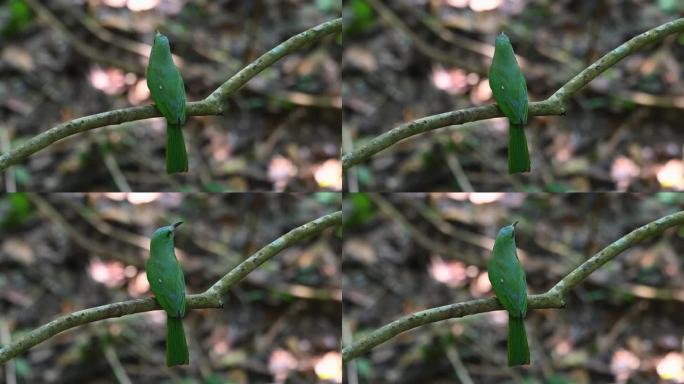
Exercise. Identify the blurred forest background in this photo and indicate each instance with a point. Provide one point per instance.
(406, 59)
(403, 253)
(65, 252)
(65, 59)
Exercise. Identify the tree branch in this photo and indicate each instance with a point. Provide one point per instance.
(553, 298)
(211, 298)
(556, 104)
(211, 105)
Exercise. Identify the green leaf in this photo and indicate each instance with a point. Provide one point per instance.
(329, 198)
(560, 379)
(22, 175)
(216, 187)
(358, 210)
(19, 18)
(364, 367)
(672, 6)
(358, 16)
(255, 295)
(671, 198)
(557, 187)
(329, 5)
(216, 379)
(14, 210)
(364, 174)
(21, 367)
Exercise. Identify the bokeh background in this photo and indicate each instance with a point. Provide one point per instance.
(60, 60)
(403, 253)
(64, 252)
(406, 59)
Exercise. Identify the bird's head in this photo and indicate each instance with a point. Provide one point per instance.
(508, 231)
(160, 38)
(166, 231)
(502, 39)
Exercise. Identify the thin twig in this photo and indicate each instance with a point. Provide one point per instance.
(419, 236)
(422, 45)
(211, 298)
(6, 338)
(94, 220)
(553, 298)
(5, 145)
(352, 375)
(113, 167)
(211, 105)
(457, 170)
(457, 363)
(115, 364)
(46, 209)
(352, 176)
(82, 47)
(105, 35)
(556, 104)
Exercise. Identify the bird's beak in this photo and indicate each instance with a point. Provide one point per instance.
(176, 225)
(514, 223)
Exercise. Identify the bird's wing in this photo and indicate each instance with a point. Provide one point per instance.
(510, 92)
(168, 285)
(168, 92)
(509, 283)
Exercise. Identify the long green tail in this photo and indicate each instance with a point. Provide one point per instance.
(176, 347)
(176, 156)
(518, 155)
(518, 351)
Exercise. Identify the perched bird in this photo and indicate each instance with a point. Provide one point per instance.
(168, 92)
(508, 280)
(510, 92)
(168, 285)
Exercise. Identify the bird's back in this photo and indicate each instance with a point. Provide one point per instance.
(166, 84)
(508, 83)
(166, 278)
(508, 277)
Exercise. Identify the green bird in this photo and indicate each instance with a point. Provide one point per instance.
(168, 285)
(508, 280)
(510, 92)
(168, 92)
